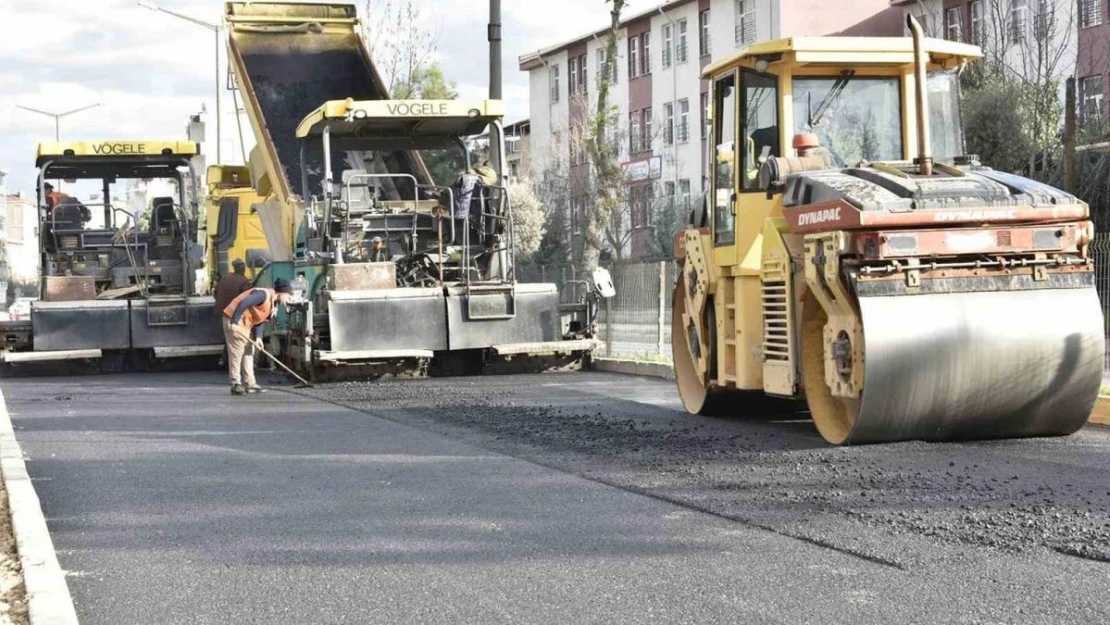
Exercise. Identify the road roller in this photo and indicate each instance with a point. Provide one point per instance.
(851, 253)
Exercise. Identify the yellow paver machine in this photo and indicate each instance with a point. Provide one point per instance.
(850, 252)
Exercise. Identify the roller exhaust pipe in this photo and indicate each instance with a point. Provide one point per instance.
(921, 63)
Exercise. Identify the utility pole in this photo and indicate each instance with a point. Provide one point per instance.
(215, 28)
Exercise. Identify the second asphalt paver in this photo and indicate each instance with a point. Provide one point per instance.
(561, 498)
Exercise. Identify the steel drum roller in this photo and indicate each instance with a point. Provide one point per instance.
(979, 365)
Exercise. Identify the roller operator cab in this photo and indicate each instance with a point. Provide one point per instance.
(852, 254)
(119, 274)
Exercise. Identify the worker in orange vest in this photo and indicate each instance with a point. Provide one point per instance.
(53, 198)
(243, 321)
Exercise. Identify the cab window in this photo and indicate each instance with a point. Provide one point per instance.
(724, 155)
(760, 116)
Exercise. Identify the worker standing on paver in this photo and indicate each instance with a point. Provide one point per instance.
(228, 288)
(244, 319)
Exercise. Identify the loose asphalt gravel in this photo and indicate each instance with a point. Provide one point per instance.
(582, 497)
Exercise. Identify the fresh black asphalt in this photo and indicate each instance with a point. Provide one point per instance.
(541, 499)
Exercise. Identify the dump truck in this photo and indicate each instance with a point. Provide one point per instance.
(400, 268)
(232, 227)
(852, 254)
(114, 291)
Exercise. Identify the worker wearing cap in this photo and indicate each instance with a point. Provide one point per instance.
(53, 198)
(228, 288)
(244, 319)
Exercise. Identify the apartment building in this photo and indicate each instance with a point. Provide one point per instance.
(1092, 70)
(661, 100)
(518, 150)
(1033, 38)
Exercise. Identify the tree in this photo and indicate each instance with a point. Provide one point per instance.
(402, 38)
(996, 124)
(529, 219)
(609, 179)
(429, 83)
(1025, 52)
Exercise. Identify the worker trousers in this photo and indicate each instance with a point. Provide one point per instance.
(240, 355)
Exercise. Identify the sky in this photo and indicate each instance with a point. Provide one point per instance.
(150, 71)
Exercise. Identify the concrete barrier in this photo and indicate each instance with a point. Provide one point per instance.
(1101, 414)
(634, 367)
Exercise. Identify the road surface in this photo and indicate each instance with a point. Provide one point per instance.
(542, 499)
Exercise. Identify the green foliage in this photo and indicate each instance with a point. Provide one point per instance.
(529, 225)
(997, 124)
(428, 83)
(668, 219)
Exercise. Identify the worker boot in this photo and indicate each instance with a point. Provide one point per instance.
(237, 389)
(255, 389)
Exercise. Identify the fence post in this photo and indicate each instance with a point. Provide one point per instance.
(662, 305)
(608, 327)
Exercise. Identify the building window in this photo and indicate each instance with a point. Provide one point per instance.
(1092, 96)
(978, 23)
(601, 54)
(1045, 20)
(705, 44)
(668, 190)
(645, 53)
(684, 190)
(668, 123)
(633, 57)
(704, 116)
(954, 24)
(1090, 13)
(583, 75)
(1019, 20)
(635, 130)
(572, 74)
(745, 22)
(681, 53)
(637, 198)
(514, 171)
(576, 210)
(683, 121)
(668, 44)
(553, 76)
(648, 135)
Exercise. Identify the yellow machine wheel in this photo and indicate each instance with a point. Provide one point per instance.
(697, 396)
(834, 416)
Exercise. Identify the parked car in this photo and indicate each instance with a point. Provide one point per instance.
(21, 309)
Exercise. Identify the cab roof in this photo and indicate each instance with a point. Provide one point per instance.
(119, 149)
(402, 124)
(849, 51)
(115, 159)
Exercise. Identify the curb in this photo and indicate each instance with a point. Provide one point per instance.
(634, 367)
(48, 598)
(1101, 414)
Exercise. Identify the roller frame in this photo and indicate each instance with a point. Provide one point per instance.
(825, 283)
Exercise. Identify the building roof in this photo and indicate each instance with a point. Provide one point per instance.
(532, 60)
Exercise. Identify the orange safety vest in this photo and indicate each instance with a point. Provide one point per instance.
(255, 315)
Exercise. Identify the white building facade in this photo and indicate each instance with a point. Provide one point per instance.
(660, 98)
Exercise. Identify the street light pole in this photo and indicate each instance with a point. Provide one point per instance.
(57, 116)
(215, 28)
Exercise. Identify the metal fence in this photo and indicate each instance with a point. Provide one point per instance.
(1100, 250)
(637, 322)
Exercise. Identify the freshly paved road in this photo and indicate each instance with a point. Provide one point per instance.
(546, 499)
